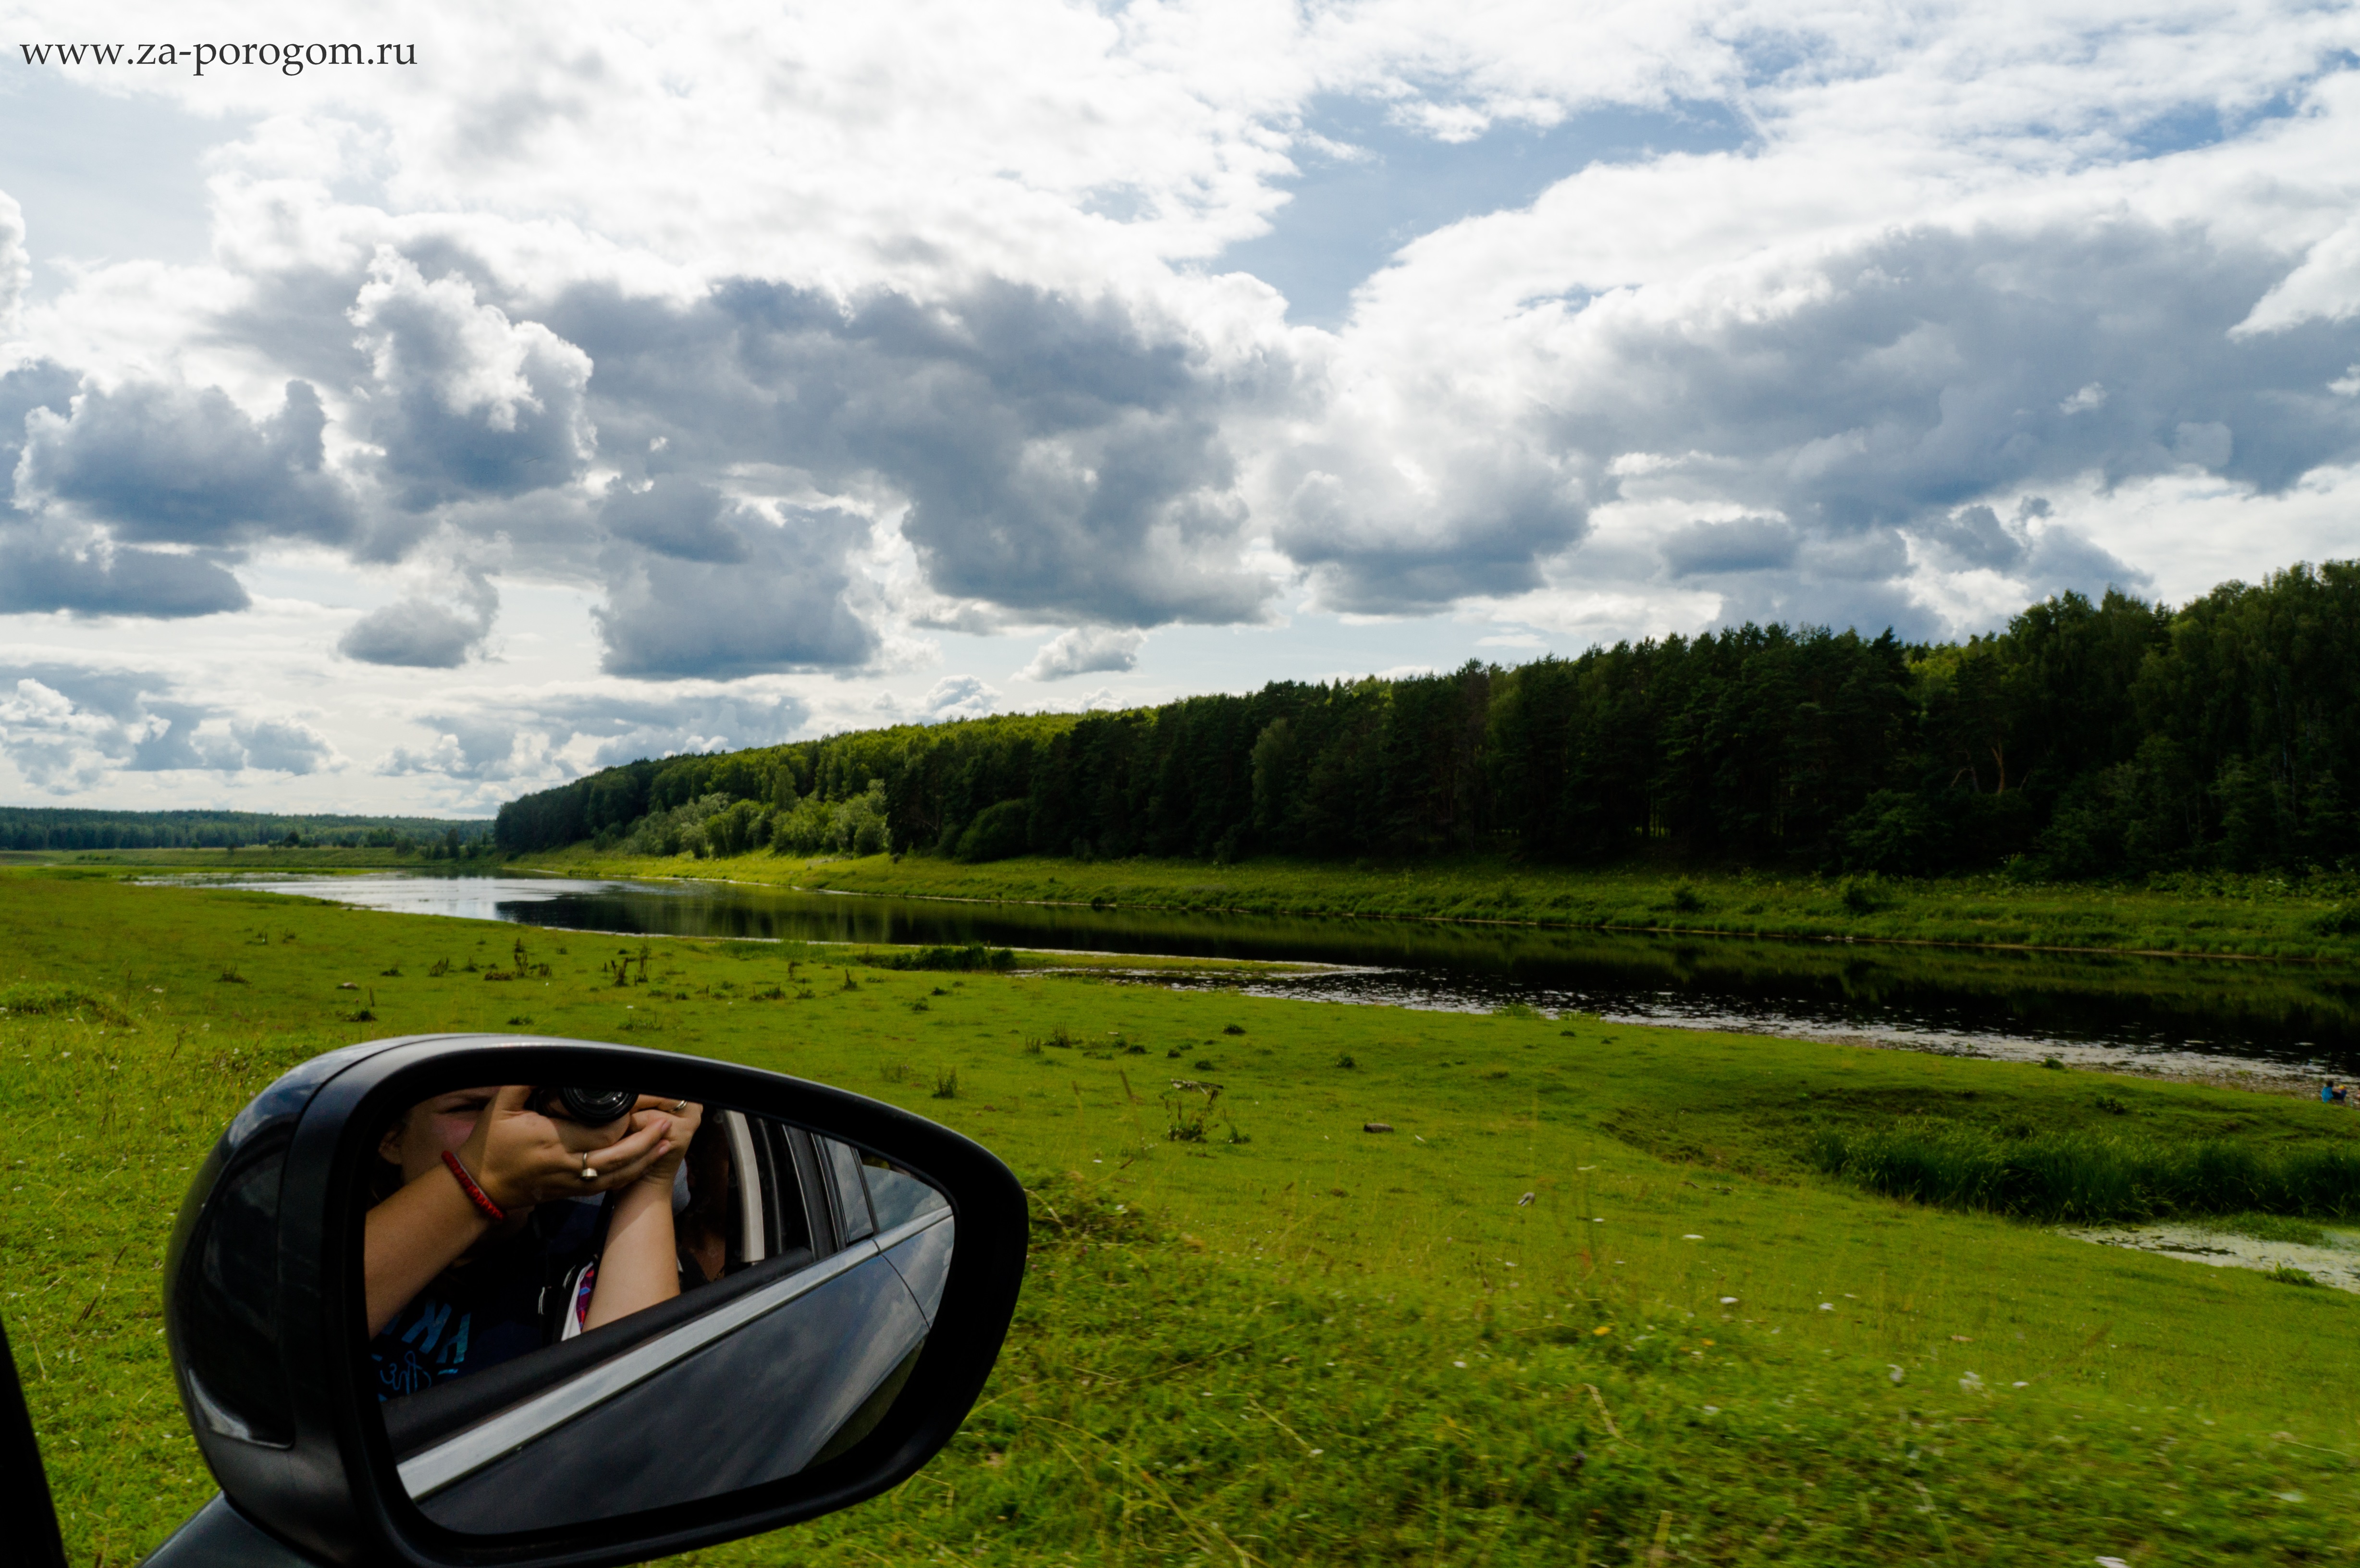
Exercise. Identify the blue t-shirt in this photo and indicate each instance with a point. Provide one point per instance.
(489, 1309)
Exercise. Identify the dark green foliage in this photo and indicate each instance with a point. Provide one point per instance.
(975, 956)
(2088, 739)
(998, 833)
(2092, 1180)
(741, 826)
(43, 827)
(1860, 896)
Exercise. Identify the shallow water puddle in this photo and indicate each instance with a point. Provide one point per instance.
(2336, 1264)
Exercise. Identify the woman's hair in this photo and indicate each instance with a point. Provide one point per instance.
(383, 1178)
(710, 1189)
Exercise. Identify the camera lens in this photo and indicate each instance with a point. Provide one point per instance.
(595, 1107)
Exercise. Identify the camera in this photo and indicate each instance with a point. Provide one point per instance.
(592, 1107)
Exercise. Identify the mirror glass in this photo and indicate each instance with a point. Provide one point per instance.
(675, 1301)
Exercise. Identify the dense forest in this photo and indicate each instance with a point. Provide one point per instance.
(45, 827)
(2086, 739)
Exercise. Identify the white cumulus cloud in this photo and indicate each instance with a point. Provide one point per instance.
(1085, 650)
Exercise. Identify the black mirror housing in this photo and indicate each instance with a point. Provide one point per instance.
(264, 1298)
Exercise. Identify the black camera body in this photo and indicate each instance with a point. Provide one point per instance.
(592, 1107)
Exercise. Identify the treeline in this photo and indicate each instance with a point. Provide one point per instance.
(24, 827)
(2086, 739)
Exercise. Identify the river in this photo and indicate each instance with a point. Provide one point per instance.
(2178, 1017)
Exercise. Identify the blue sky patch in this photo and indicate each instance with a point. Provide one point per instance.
(1350, 214)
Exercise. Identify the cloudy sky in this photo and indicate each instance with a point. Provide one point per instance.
(622, 379)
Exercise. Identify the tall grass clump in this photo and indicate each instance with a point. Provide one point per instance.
(2091, 1179)
(60, 1001)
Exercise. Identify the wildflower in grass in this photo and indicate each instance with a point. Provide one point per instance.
(1603, 1329)
(1729, 1301)
(1691, 1237)
(1827, 1306)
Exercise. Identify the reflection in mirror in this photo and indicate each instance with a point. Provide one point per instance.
(585, 1304)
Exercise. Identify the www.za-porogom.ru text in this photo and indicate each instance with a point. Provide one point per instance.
(287, 60)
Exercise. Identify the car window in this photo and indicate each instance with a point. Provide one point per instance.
(895, 1196)
(853, 1219)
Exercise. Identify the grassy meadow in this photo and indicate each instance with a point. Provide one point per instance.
(2198, 913)
(1592, 1300)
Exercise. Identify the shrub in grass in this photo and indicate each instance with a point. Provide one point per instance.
(2092, 1180)
(2342, 921)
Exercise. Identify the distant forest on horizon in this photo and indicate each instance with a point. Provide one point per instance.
(69, 828)
(2087, 739)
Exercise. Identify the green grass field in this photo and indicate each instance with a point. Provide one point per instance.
(2314, 919)
(1316, 1344)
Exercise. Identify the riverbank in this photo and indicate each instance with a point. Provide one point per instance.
(2316, 920)
(1591, 1293)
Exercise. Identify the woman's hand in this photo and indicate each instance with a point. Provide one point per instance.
(641, 1265)
(521, 1158)
(685, 1119)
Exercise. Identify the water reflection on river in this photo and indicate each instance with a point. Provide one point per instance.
(2171, 1014)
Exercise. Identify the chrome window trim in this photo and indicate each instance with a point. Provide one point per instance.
(886, 1241)
(750, 1248)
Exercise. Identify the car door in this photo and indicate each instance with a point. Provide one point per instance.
(821, 1307)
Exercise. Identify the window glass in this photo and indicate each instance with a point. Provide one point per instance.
(851, 1194)
(896, 1196)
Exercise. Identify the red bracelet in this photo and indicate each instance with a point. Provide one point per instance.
(476, 1194)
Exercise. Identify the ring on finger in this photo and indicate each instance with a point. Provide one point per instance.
(678, 1107)
(589, 1171)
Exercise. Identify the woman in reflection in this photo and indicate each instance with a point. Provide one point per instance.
(702, 1222)
(504, 1225)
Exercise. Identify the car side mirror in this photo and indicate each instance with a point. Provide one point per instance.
(776, 1299)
